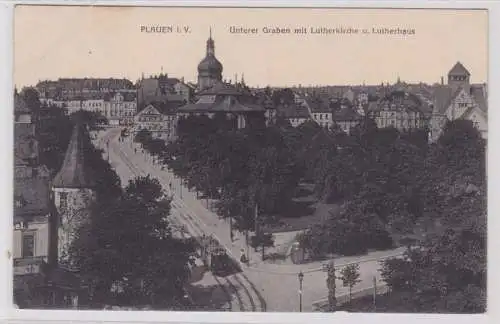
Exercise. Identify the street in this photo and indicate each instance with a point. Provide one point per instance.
(261, 286)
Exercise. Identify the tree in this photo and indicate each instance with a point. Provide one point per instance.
(128, 243)
(263, 240)
(143, 136)
(350, 277)
(331, 285)
(91, 118)
(446, 271)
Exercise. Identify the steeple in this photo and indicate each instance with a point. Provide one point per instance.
(210, 45)
(74, 172)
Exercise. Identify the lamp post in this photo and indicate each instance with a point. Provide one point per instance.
(301, 278)
(180, 187)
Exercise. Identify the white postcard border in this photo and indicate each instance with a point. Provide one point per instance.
(31, 316)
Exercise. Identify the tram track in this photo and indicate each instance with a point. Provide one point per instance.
(186, 217)
(238, 282)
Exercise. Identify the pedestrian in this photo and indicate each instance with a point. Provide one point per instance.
(243, 257)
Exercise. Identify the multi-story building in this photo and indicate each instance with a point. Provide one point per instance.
(160, 122)
(164, 89)
(38, 280)
(345, 115)
(115, 99)
(120, 108)
(399, 109)
(233, 101)
(320, 111)
(459, 99)
(296, 114)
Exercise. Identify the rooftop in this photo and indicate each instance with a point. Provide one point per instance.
(74, 173)
(458, 69)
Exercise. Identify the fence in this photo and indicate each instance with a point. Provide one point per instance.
(322, 305)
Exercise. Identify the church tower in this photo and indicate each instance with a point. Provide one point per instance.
(72, 192)
(209, 69)
(459, 77)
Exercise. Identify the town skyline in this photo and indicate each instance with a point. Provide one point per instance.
(177, 54)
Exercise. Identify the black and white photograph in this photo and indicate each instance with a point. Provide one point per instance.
(212, 159)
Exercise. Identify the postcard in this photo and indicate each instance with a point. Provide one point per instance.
(250, 159)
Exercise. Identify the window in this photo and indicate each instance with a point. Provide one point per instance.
(19, 203)
(63, 200)
(28, 245)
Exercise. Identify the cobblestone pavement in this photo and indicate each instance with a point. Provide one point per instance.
(261, 286)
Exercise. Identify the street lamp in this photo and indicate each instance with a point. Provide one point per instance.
(301, 278)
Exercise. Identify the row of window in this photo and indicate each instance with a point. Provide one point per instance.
(322, 116)
(399, 123)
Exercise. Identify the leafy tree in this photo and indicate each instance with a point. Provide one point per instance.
(90, 118)
(53, 129)
(447, 271)
(350, 277)
(331, 285)
(129, 244)
(283, 96)
(143, 136)
(263, 240)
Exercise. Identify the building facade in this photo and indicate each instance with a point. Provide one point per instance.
(161, 124)
(321, 111)
(115, 99)
(346, 118)
(399, 109)
(459, 99)
(39, 282)
(163, 88)
(296, 114)
(232, 101)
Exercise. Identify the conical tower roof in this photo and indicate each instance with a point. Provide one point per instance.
(458, 69)
(74, 173)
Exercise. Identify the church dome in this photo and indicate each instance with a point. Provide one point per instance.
(210, 64)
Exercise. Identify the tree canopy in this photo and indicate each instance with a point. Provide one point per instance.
(128, 253)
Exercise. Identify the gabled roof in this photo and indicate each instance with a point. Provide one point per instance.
(318, 105)
(479, 94)
(293, 111)
(168, 81)
(224, 103)
(346, 114)
(458, 69)
(74, 172)
(149, 110)
(472, 109)
(221, 88)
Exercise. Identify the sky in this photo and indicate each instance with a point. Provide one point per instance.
(77, 41)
